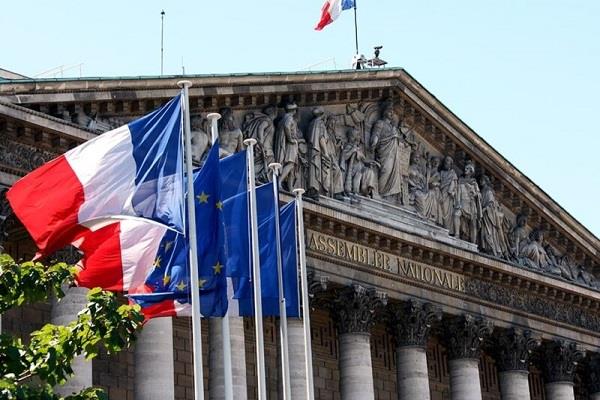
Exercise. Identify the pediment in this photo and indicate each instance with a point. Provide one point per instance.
(495, 210)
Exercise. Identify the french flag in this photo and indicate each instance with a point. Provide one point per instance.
(331, 10)
(134, 170)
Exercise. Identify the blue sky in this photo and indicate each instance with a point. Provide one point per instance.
(522, 73)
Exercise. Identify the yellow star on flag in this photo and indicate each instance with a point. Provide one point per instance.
(201, 283)
(156, 263)
(166, 280)
(218, 267)
(219, 205)
(203, 198)
(181, 286)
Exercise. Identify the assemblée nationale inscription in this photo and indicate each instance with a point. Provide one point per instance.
(364, 255)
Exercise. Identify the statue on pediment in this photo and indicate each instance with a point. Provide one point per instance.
(200, 135)
(533, 254)
(493, 224)
(290, 149)
(260, 126)
(433, 209)
(518, 235)
(448, 189)
(467, 206)
(392, 153)
(231, 139)
(324, 174)
(417, 183)
(359, 176)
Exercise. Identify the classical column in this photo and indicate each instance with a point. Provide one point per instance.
(216, 377)
(593, 377)
(410, 323)
(63, 312)
(513, 350)
(560, 361)
(154, 361)
(465, 335)
(354, 309)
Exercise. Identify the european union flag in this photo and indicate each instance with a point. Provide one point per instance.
(170, 278)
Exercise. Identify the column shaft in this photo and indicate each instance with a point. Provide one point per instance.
(464, 379)
(560, 391)
(154, 361)
(297, 359)
(216, 386)
(514, 385)
(63, 312)
(356, 372)
(413, 377)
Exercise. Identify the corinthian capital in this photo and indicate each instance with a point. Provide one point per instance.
(514, 349)
(465, 335)
(410, 322)
(354, 308)
(560, 360)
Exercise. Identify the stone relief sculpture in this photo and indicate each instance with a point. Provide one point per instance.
(260, 126)
(448, 189)
(289, 152)
(433, 210)
(200, 130)
(518, 235)
(493, 237)
(392, 153)
(467, 206)
(230, 136)
(533, 254)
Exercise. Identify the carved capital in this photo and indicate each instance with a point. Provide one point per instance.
(593, 374)
(560, 360)
(355, 308)
(317, 289)
(514, 348)
(465, 335)
(410, 322)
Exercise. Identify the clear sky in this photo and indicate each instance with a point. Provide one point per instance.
(524, 74)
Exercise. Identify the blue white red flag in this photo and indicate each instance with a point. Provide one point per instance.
(134, 170)
(331, 10)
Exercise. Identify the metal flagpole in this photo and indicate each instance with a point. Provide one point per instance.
(196, 316)
(258, 318)
(227, 375)
(283, 333)
(162, 36)
(355, 28)
(310, 391)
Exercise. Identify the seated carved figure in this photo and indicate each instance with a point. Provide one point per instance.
(533, 254)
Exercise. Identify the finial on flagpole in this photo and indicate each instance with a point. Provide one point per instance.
(298, 192)
(275, 166)
(250, 142)
(184, 84)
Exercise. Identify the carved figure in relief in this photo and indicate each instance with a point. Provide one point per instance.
(200, 132)
(417, 183)
(534, 254)
(324, 175)
(230, 136)
(260, 126)
(518, 235)
(288, 140)
(467, 206)
(493, 237)
(352, 163)
(392, 153)
(448, 189)
(433, 209)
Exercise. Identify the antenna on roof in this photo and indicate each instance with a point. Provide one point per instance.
(162, 37)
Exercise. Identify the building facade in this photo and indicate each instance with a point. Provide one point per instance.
(437, 269)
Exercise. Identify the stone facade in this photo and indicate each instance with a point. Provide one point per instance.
(437, 268)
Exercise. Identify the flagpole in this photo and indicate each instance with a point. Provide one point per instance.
(258, 318)
(195, 292)
(355, 27)
(225, 329)
(310, 391)
(283, 332)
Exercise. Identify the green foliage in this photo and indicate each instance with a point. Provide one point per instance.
(28, 371)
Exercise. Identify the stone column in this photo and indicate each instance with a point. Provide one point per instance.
(593, 377)
(560, 361)
(465, 335)
(216, 377)
(410, 323)
(354, 309)
(63, 312)
(513, 349)
(154, 361)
